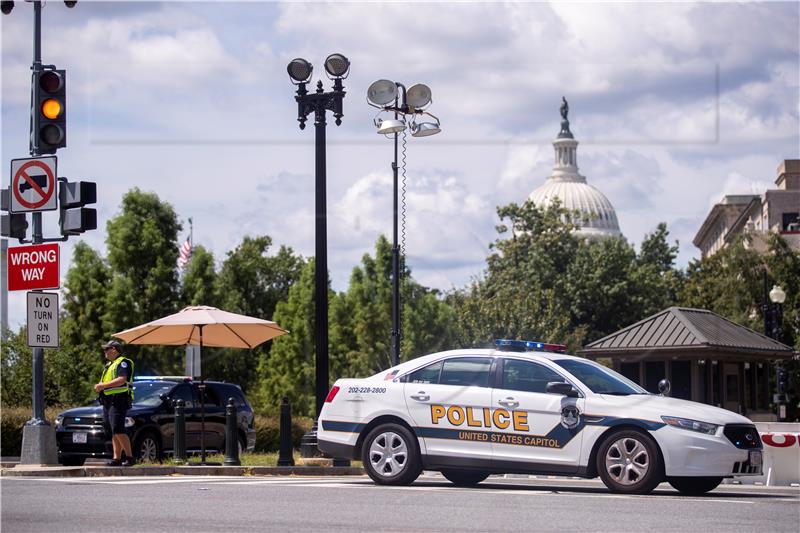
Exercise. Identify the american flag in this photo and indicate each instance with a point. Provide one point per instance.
(185, 254)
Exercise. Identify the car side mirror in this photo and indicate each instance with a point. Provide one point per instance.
(664, 386)
(560, 387)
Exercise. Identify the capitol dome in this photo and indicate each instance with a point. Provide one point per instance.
(571, 188)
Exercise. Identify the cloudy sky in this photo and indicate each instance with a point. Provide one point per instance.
(674, 105)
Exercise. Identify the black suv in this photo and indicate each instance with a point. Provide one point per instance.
(150, 421)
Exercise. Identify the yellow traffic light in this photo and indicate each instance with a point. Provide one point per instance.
(51, 108)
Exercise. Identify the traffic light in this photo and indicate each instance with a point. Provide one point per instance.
(49, 113)
(72, 197)
(14, 225)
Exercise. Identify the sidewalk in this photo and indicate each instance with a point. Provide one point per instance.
(9, 466)
(169, 470)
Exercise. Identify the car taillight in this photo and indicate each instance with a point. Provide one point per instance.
(332, 394)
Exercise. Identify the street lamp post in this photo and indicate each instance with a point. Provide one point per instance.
(319, 102)
(773, 328)
(392, 97)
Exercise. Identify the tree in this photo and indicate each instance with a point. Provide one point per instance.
(521, 294)
(288, 369)
(142, 254)
(251, 282)
(199, 284)
(79, 359)
(16, 365)
(728, 283)
(659, 281)
(362, 318)
(545, 282)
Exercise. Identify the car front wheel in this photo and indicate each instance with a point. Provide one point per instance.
(464, 478)
(629, 462)
(390, 455)
(694, 485)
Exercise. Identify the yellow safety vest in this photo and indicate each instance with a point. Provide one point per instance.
(110, 374)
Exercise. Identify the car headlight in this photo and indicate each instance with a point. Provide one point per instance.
(59, 421)
(692, 425)
(129, 422)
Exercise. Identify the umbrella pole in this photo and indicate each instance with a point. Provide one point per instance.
(202, 404)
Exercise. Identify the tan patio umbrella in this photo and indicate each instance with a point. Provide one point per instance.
(206, 326)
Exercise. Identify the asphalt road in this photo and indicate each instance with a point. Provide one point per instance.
(330, 504)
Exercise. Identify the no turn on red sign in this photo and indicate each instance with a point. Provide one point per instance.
(33, 267)
(33, 184)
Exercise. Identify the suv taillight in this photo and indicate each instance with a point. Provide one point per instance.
(332, 394)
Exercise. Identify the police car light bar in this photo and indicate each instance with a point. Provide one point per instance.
(527, 346)
(158, 378)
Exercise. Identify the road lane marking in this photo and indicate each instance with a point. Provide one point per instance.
(427, 485)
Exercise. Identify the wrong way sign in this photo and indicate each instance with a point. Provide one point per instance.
(43, 319)
(33, 267)
(33, 184)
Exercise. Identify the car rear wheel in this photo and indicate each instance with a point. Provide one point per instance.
(464, 478)
(147, 447)
(72, 461)
(694, 485)
(629, 462)
(390, 455)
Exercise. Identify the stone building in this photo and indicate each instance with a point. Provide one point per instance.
(571, 188)
(776, 210)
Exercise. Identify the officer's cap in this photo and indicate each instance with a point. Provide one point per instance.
(113, 344)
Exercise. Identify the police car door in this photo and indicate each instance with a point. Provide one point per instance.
(447, 400)
(533, 427)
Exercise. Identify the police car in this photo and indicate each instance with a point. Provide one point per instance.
(472, 413)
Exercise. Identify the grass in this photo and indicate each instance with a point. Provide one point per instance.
(247, 459)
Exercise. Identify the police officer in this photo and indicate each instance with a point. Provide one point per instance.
(115, 394)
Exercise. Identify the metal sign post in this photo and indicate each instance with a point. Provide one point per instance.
(38, 436)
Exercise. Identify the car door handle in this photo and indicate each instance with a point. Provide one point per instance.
(509, 402)
(421, 396)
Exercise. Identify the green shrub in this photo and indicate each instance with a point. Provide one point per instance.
(268, 432)
(12, 420)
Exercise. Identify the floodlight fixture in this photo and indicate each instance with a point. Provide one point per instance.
(337, 66)
(382, 92)
(299, 70)
(390, 125)
(418, 96)
(425, 129)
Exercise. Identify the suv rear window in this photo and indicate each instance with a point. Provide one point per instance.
(225, 390)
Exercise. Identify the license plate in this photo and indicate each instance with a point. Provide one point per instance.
(755, 458)
(79, 438)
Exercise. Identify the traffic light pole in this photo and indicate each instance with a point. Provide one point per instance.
(38, 436)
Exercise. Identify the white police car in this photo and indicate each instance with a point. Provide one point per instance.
(472, 413)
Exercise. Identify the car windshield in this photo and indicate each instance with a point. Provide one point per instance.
(149, 393)
(600, 379)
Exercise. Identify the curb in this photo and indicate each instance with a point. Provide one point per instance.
(108, 471)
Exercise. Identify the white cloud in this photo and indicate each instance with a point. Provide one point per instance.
(146, 80)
